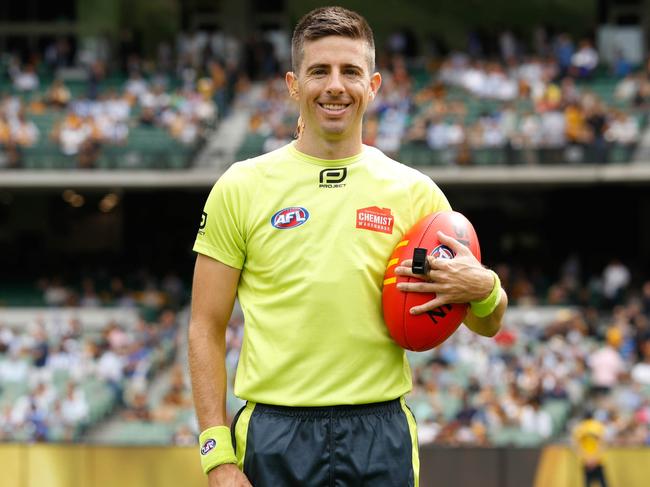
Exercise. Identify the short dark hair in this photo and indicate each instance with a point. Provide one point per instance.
(330, 21)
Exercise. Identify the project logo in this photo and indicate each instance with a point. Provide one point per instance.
(332, 177)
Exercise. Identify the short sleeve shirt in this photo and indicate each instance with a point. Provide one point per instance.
(312, 238)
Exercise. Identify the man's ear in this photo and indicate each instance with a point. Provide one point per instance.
(292, 84)
(375, 83)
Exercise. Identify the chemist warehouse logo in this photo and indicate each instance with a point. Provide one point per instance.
(291, 217)
(375, 219)
(332, 177)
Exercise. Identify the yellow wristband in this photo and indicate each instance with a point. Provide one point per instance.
(488, 305)
(216, 447)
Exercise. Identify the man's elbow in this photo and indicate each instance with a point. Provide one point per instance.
(199, 331)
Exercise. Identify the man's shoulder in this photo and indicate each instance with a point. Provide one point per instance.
(380, 160)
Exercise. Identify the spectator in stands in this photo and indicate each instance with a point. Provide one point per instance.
(58, 95)
(15, 367)
(110, 368)
(576, 128)
(138, 410)
(627, 89)
(25, 78)
(36, 420)
(564, 51)
(55, 293)
(584, 61)
(597, 123)
(89, 297)
(621, 67)
(641, 371)
(606, 363)
(616, 278)
(623, 132)
(39, 347)
(533, 419)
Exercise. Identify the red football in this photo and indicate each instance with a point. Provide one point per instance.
(428, 330)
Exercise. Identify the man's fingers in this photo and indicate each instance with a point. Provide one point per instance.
(418, 287)
(452, 243)
(428, 306)
(438, 264)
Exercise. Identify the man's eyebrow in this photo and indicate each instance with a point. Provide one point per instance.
(327, 66)
(317, 66)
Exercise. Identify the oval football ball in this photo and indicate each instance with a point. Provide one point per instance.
(428, 330)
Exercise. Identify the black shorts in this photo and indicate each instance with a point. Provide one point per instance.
(339, 446)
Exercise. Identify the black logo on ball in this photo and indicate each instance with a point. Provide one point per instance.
(332, 177)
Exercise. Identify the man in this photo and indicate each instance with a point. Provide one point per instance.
(589, 440)
(288, 234)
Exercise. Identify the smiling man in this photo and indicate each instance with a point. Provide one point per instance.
(302, 236)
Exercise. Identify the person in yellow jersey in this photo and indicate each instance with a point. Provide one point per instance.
(589, 439)
(301, 236)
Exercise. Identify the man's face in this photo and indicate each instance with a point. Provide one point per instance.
(333, 87)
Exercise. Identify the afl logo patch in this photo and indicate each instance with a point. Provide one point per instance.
(291, 217)
(442, 252)
(208, 446)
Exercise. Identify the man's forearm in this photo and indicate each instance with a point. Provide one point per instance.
(207, 352)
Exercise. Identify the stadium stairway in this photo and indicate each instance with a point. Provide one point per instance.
(222, 146)
(642, 152)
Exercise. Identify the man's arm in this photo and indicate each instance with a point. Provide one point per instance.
(213, 295)
(458, 280)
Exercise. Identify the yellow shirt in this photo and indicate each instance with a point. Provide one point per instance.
(312, 238)
(589, 436)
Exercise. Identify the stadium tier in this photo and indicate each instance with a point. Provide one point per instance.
(454, 114)
(110, 375)
(457, 110)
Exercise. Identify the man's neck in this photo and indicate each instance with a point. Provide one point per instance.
(328, 149)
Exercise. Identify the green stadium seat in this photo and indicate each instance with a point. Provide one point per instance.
(559, 410)
(252, 146)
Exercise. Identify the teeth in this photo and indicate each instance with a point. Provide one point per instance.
(331, 106)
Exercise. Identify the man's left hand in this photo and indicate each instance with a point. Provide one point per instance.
(458, 280)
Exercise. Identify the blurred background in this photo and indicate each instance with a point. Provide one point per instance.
(117, 117)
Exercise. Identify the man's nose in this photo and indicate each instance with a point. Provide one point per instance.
(335, 83)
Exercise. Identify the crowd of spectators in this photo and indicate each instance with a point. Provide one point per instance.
(105, 109)
(562, 106)
(139, 290)
(570, 344)
(557, 103)
(82, 126)
(58, 377)
(528, 110)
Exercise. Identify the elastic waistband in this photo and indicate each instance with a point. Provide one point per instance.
(385, 407)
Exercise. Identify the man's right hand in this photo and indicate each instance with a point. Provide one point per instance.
(227, 475)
